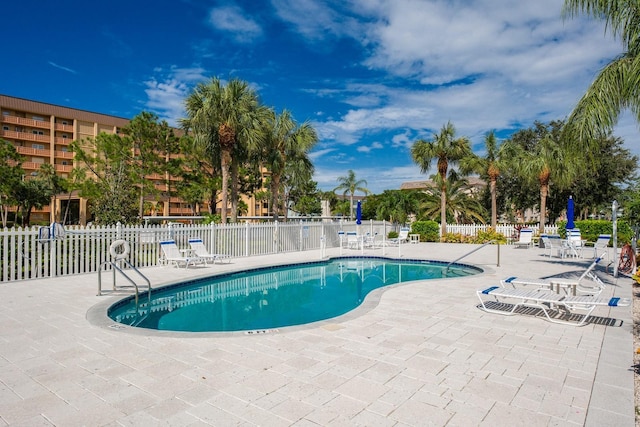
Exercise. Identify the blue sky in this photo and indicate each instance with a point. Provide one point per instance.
(373, 76)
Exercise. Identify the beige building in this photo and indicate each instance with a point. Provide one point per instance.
(42, 133)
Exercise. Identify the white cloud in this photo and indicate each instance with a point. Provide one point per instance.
(60, 67)
(233, 20)
(167, 91)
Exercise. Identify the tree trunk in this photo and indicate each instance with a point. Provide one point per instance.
(544, 190)
(443, 210)
(234, 191)
(226, 160)
(494, 205)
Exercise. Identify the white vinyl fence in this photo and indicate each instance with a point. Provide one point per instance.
(38, 252)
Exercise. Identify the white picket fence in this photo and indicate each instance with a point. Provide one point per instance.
(39, 252)
(508, 230)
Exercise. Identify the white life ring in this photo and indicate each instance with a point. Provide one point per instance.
(113, 249)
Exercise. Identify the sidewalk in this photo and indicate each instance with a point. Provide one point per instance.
(417, 354)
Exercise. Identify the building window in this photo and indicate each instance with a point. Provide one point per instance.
(38, 146)
(38, 118)
(64, 162)
(64, 122)
(38, 132)
(64, 135)
(5, 127)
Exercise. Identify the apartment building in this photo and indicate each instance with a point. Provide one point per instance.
(42, 133)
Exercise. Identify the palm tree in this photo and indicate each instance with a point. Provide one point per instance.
(221, 117)
(488, 166)
(397, 205)
(463, 206)
(543, 163)
(615, 88)
(349, 185)
(284, 141)
(448, 150)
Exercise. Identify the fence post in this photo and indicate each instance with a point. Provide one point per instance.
(247, 230)
(275, 236)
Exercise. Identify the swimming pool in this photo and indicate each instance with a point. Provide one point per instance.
(274, 297)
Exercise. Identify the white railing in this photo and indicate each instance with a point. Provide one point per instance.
(29, 253)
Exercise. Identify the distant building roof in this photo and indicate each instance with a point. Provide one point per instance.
(474, 181)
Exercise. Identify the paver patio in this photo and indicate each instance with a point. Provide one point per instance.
(420, 353)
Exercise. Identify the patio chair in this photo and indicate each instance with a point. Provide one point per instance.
(574, 243)
(553, 243)
(172, 255)
(353, 240)
(525, 239)
(570, 286)
(557, 308)
(198, 247)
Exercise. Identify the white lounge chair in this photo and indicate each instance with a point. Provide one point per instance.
(548, 302)
(525, 239)
(172, 255)
(198, 247)
(403, 236)
(570, 286)
(601, 244)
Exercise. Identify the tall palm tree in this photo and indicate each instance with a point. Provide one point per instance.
(616, 87)
(447, 150)
(463, 205)
(284, 141)
(221, 116)
(488, 166)
(350, 185)
(543, 163)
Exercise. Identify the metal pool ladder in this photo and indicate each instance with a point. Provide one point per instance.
(115, 267)
(474, 250)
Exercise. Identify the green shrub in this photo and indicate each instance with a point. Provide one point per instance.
(456, 238)
(392, 235)
(489, 235)
(429, 231)
(590, 229)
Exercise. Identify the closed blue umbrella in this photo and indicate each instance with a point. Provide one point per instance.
(359, 213)
(570, 208)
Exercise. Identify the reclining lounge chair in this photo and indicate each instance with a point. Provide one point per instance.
(549, 302)
(198, 247)
(172, 255)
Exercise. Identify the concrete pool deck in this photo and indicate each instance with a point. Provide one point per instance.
(420, 353)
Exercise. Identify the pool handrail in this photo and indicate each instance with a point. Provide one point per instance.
(474, 250)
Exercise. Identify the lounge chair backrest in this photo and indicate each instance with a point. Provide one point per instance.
(404, 233)
(198, 247)
(170, 249)
(603, 241)
(526, 234)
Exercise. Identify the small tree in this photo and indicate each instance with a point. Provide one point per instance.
(11, 172)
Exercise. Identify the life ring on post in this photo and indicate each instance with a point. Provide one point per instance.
(115, 251)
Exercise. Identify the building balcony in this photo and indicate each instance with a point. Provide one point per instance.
(24, 136)
(28, 151)
(64, 154)
(63, 128)
(27, 122)
(31, 165)
(62, 141)
(63, 168)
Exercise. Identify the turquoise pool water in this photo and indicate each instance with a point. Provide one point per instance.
(275, 297)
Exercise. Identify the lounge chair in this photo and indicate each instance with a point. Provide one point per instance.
(570, 286)
(525, 239)
(198, 247)
(562, 307)
(172, 255)
(403, 236)
(601, 243)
